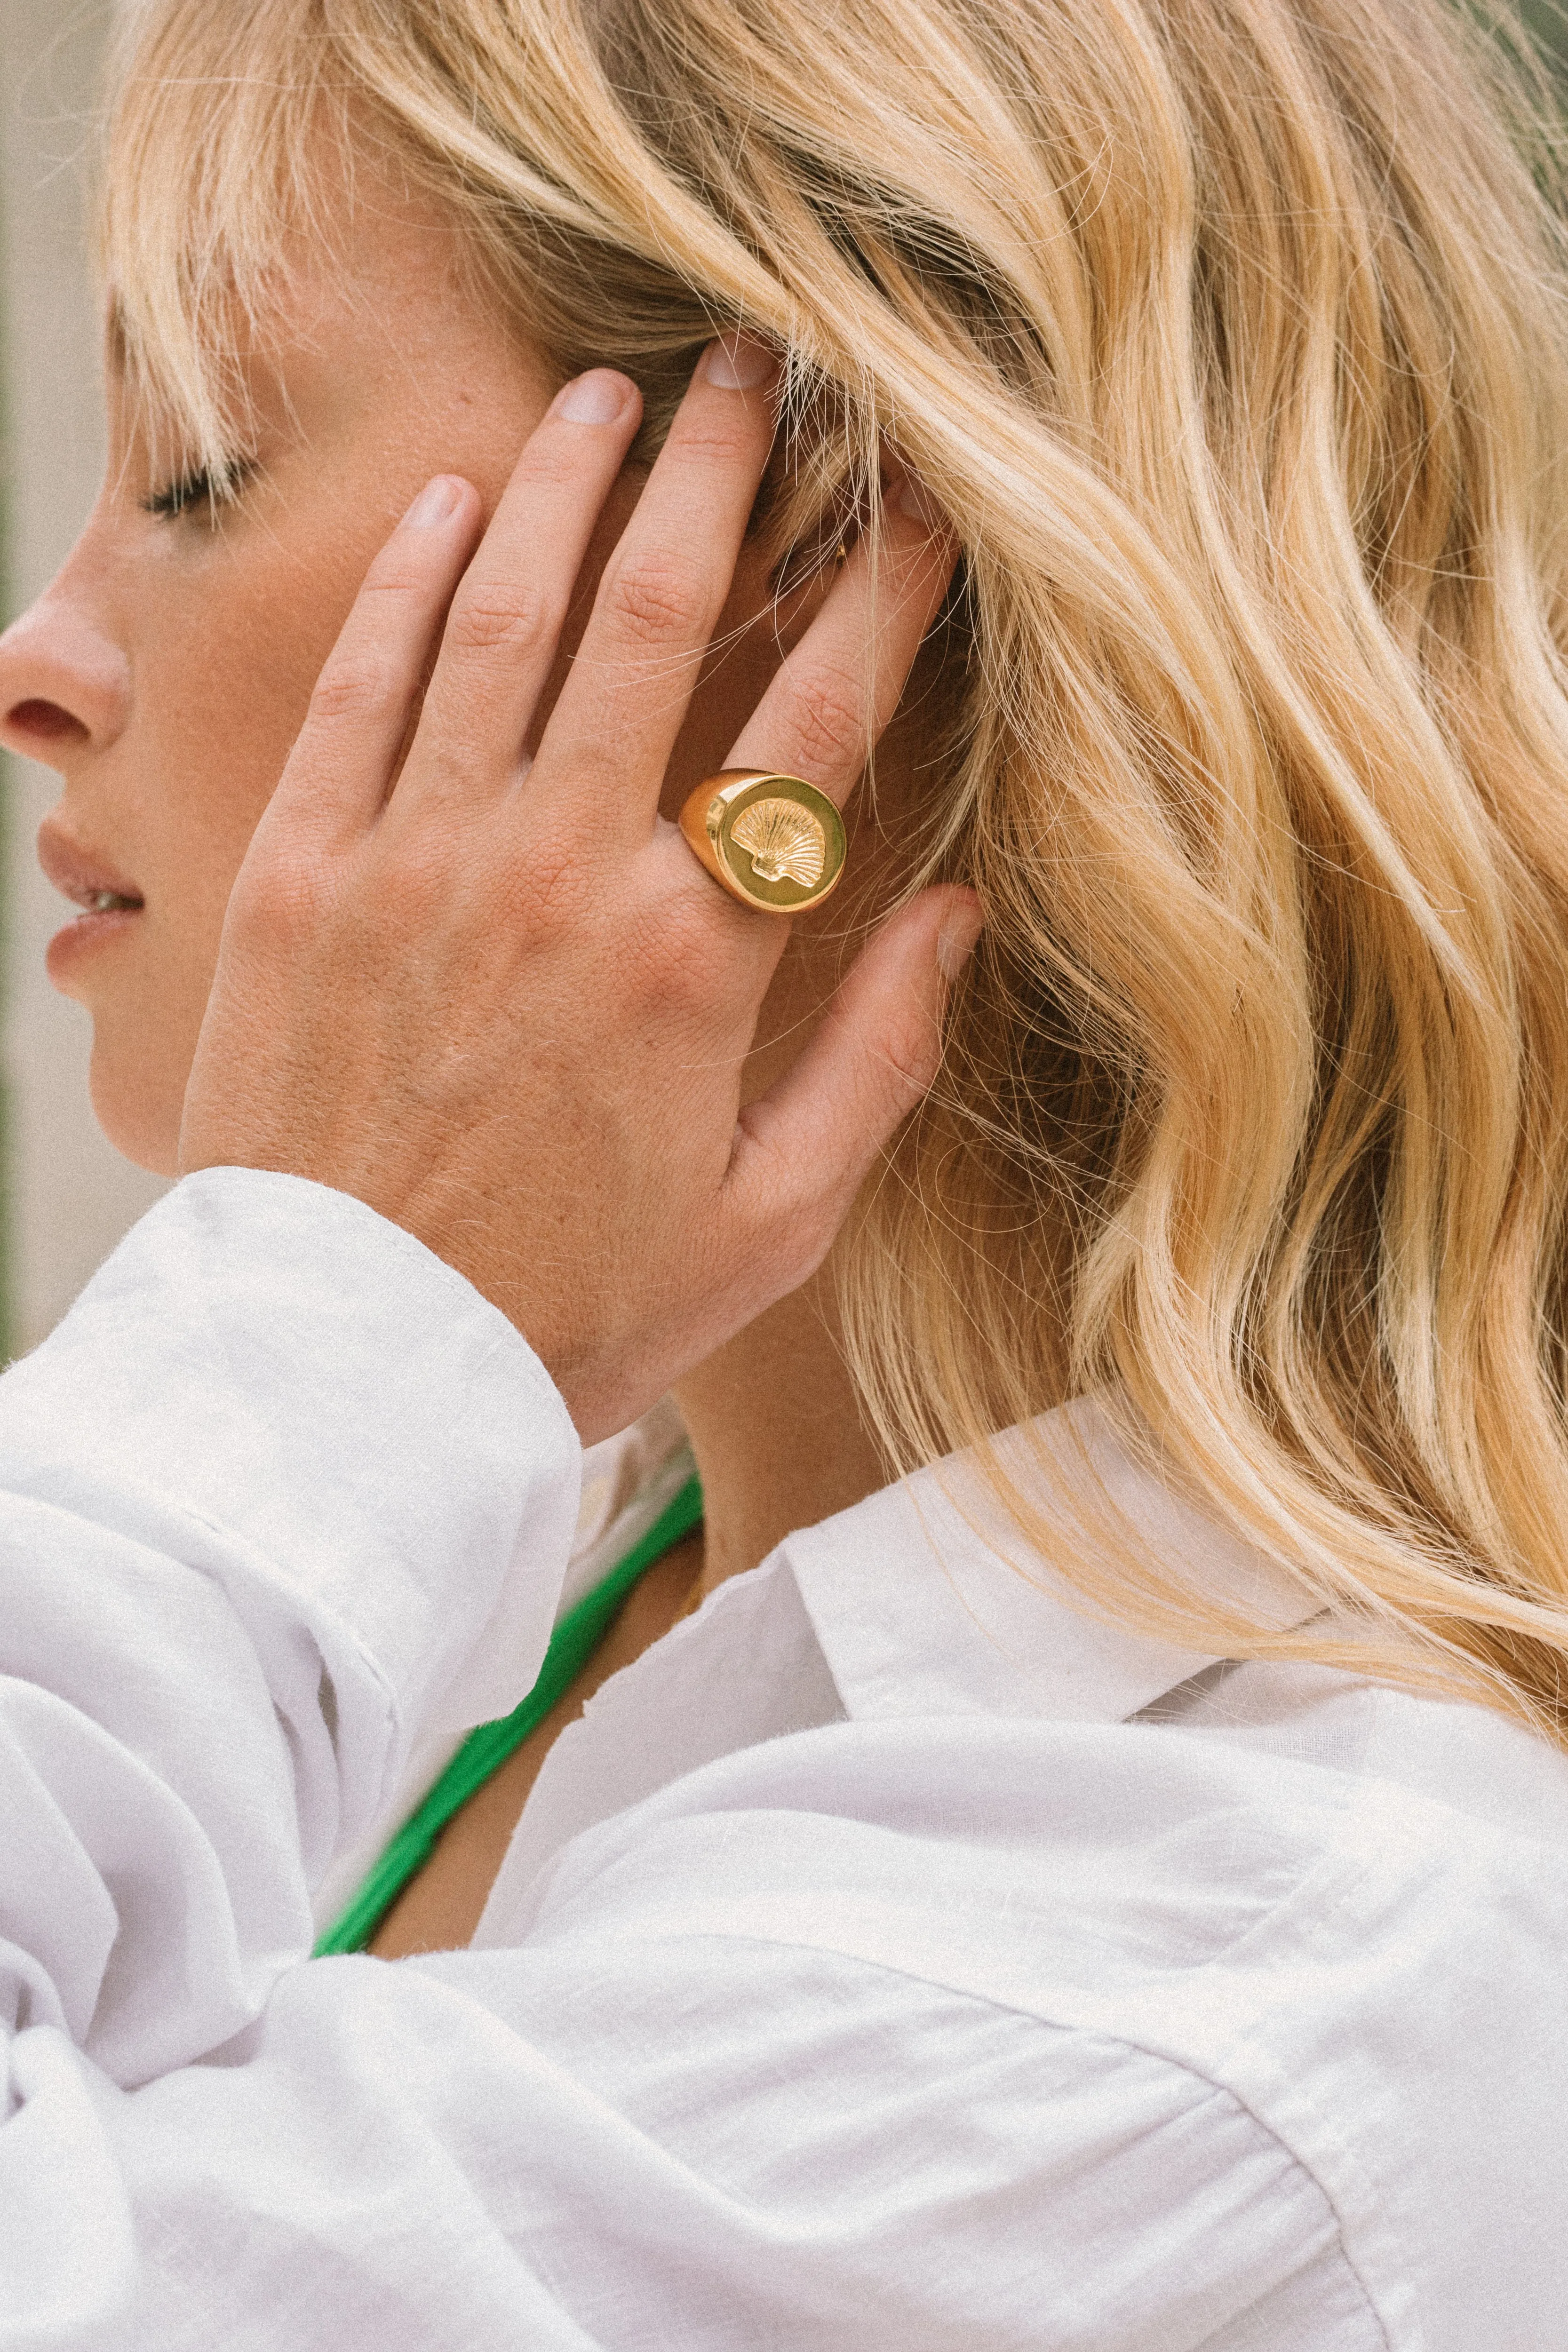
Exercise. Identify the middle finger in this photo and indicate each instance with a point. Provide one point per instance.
(505, 621)
(614, 728)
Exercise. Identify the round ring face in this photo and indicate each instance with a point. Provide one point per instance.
(777, 840)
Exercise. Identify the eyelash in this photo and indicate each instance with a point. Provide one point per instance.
(199, 488)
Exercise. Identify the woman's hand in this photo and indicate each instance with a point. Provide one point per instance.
(501, 1002)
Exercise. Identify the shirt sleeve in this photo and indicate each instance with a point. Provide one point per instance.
(276, 1481)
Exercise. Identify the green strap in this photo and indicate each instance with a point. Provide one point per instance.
(486, 1750)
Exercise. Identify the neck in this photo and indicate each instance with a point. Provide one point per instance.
(776, 1431)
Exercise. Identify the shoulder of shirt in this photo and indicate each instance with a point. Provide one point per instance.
(1336, 1905)
(892, 1667)
(1335, 1913)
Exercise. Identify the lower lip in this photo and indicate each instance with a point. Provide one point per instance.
(89, 933)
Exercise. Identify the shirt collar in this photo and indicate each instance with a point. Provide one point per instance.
(917, 1603)
(925, 1603)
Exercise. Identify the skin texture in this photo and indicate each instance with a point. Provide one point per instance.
(464, 969)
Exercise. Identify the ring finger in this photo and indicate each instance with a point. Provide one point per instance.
(829, 703)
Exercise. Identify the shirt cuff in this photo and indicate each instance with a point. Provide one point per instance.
(269, 1381)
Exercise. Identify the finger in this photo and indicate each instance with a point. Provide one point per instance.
(829, 703)
(804, 1150)
(611, 734)
(346, 753)
(504, 627)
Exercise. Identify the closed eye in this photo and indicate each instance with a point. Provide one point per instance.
(198, 488)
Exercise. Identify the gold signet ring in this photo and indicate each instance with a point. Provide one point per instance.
(774, 842)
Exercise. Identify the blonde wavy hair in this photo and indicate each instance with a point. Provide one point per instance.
(1232, 334)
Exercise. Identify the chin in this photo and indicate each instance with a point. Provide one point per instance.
(135, 1112)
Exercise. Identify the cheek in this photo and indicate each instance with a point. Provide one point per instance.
(224, 692)
(224, 664)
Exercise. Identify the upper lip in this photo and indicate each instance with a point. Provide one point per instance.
(77, 873)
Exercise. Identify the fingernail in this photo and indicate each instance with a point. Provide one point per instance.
(596, 398)
(436, 502)
(915, 500)
(955, 940)
(738, 363)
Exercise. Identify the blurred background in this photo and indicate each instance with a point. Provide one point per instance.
(65, 1197)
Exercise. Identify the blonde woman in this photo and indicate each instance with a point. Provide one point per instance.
(1066, 1848)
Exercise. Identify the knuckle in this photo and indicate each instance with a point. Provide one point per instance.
(910, 1053)
(395, 581)
(350, 686)
(673, 967)
(280, 902)
(421, 879)
(657, 600)
(553, 460)
(548, 894)
(511, 619)
(703, 439)
(827, 717)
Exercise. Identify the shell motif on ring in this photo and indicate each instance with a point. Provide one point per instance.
(774, 842)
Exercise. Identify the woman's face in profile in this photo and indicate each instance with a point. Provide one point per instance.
(165, 671)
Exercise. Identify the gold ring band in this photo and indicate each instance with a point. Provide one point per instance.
(774, 842)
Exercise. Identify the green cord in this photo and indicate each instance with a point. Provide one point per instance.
(486, 1750)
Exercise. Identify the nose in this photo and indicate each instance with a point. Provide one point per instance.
(64, 687)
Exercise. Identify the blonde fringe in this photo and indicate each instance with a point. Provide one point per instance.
(1233, 334)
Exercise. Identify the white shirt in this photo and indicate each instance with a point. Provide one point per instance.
(891, 1958)
(627, 1482)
